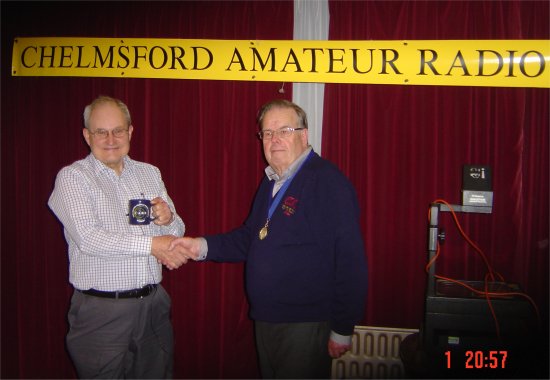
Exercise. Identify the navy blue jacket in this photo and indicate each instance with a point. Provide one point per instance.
(311, 267)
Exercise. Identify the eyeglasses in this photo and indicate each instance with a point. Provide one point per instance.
(282, 133)
(103, 133)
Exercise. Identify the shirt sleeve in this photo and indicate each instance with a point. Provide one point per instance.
(344, 340)
(203, 249)
(177, 227)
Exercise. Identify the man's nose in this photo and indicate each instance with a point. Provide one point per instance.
(110, 137)
(276, 137)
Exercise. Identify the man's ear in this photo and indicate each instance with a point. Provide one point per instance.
(130, 130)
(305, 136)
(86, 134)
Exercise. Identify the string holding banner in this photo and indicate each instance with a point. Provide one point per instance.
(489, 63)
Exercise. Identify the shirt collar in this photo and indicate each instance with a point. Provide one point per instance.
(272, 174)
(100, 167)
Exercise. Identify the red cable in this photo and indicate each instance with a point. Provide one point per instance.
(490, 274)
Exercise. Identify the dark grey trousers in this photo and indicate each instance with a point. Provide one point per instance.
(293, 350)
(121, 338)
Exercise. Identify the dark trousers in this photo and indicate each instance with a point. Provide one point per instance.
(293, 350)
(121, 338)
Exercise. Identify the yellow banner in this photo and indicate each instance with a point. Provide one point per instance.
(493, 63)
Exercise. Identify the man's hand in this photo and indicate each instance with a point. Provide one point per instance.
(336, 350)
(161, 250)
(161, 212)
(186, 246)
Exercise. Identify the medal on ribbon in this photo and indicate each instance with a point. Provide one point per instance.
(263, 231)
(273, 202)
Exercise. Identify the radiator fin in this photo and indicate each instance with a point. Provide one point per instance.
(374, 354)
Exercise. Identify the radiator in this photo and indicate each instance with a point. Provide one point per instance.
(374, 354)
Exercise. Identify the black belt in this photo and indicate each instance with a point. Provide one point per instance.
(134, 293)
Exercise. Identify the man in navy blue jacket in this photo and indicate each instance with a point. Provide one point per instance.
(306, 273)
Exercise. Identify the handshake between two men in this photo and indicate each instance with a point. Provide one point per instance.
(173, 252)
(169, 250)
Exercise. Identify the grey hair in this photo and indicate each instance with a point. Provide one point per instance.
(102, 100)
(282, 103)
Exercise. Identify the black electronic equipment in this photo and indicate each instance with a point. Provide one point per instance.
(458, 320)
(477, 187)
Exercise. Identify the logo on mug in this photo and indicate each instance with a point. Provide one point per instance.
(140, 211)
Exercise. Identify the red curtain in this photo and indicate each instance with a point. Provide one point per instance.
(404, 147)
(201, 134)
(401, 146)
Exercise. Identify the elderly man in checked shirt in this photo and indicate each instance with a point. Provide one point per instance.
(120, 314)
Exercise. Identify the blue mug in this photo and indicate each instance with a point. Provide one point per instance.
(140, 212)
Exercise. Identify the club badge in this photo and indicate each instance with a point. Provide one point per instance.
(289, 206)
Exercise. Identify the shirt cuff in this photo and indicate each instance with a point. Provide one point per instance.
(203, 250)
(344, 340)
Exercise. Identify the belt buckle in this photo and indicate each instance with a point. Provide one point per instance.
(146, 290)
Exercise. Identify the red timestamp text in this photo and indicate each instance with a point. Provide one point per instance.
(481, 359)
